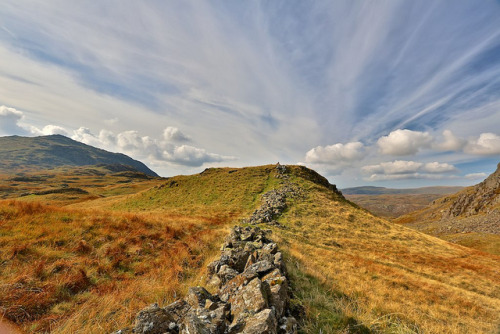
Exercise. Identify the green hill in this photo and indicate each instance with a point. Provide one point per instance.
(19, 153)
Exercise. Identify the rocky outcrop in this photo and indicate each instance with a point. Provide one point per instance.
(484, 197)
(253, 294)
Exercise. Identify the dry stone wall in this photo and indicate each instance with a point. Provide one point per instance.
(252, 290)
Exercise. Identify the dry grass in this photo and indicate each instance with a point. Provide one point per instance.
(89, 272)
(90, 266)
(382, 277)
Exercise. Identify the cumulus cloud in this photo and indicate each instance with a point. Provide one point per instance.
(485, 144)
(174, 134)
(49, 130)
(450, 142)
(9, 121)
(335, 154)
(151, 149)
(404, 142)
(401, 169)
(192, 156)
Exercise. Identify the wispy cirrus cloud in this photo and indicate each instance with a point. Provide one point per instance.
(270, 80)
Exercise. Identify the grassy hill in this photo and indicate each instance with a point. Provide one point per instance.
(470, 217)
(18, 153)
(89, 266)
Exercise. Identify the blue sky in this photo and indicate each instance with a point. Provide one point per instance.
(392, 93)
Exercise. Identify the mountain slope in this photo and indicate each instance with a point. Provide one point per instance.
(17, 153)
(353, 272)
(470, 217)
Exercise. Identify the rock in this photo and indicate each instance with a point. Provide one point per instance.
(197, 297)
(226, 274)
(263, 322)
(153, 320)
(251, 298)
(260, 268)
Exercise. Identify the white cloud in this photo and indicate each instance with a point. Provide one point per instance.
(151, 150)
(49, 130)
(436, 167)
(192, 156)
(335, 154)
(10, 119)
(485, 144)
(404, 142)
(451, 142)
(393, 167)
(174, 134)
(400, 169)
(476, 176)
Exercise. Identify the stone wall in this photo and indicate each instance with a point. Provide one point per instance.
(253, 294)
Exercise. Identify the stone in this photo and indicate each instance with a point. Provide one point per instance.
(260, 268)
(251, 298)
(263, 322)
(226, 274)
(177, 309)
(197, 297)
(278, 294)
(153, 320)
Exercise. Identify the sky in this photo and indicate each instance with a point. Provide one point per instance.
(383, 93)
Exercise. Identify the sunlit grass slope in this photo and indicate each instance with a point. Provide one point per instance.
(359, 273)
(90, 266)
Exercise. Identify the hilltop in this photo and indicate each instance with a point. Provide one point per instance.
(45, 152)
(470, 217)
(99, 261)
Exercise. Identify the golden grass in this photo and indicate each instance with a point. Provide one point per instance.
(383, 277)
(69, 271)
(90, 266)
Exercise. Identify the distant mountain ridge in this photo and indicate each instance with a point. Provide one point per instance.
(371, 190)
(18, 152)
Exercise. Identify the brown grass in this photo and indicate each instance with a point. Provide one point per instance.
(78, 271)
(383, 277)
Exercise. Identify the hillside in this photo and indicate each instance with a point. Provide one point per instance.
(98, 262)
(470, 217)
(19, 153)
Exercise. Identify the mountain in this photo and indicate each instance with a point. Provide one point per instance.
(470, 217)
(370, 190)
(18, 153)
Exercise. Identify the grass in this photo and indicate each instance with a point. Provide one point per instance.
(383, 276)
(76, 271)
(87, 266)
